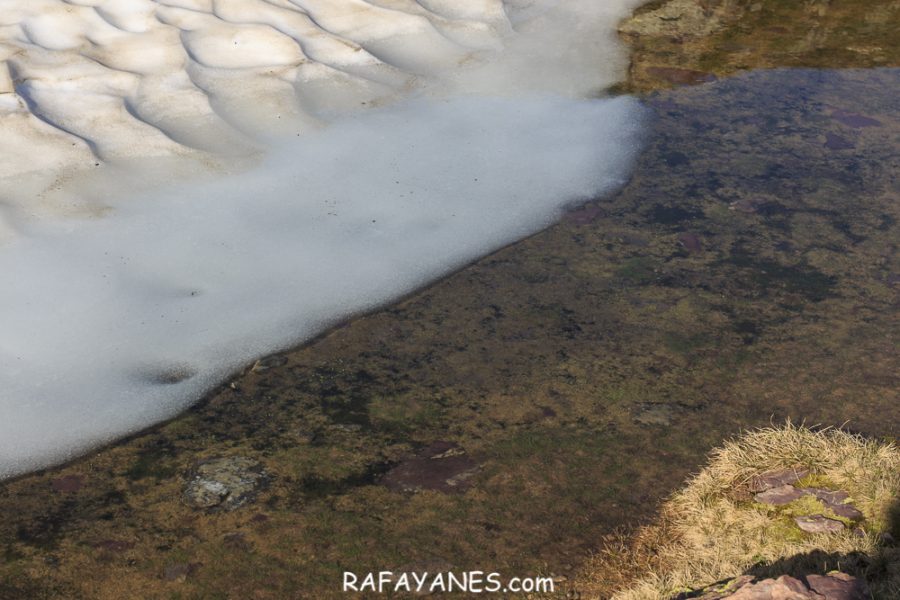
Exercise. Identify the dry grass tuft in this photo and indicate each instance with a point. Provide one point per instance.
(712, 529)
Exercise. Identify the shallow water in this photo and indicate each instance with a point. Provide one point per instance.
(748, 273)
(140, 271)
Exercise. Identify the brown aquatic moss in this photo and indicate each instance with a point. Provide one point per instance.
(678, 42)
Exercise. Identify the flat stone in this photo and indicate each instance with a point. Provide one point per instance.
(783, 588)
(818, 524)
(67, 483)
(846, 511)
(441, 466)
(828, 496)
(114, 545)
(680, 76)
(834, 586)
(348, 427)
(836, 501)
(777, 478)
(836, 142)
(779, 496)
(854, 120)
(838, 586)
(180, 571)
(691, 242)
(586, 214)
(655, 414)
(224, 483)
(237, 541)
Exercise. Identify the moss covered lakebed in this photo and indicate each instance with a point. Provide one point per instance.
(513, 415)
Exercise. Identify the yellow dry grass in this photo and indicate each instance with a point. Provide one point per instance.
(712, 529)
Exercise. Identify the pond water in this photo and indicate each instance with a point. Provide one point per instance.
(748, 273)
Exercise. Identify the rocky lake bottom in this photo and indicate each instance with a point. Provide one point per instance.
(511, 416)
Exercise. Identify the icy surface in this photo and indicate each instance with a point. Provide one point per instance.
(188, 184)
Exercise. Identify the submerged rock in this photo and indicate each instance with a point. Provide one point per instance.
(655, 414)
(67, 483)
(180, 571)
(225, 483)
(836, 142)
(442, 467)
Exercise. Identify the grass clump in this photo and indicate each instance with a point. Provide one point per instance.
(712, 530)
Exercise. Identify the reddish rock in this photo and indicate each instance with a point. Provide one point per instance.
(777, 478)
(585, 214)
(846, 511)
(836, 142)
(818, 524)
(746, 205)
(237, 541)
(828, 496)
(442, 466)
(838, 586)
(834, 586)
(114, 545)
(176, 571)
(779, 496)
(68, 483)
(836, 501)
(691, 242)
(856, 120)
(661, 104)
(783, 588)
(680, 76)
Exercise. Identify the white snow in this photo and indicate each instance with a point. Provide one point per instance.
(188, 184)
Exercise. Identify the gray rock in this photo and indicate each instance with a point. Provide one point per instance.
(818, 524)
(224, 483)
